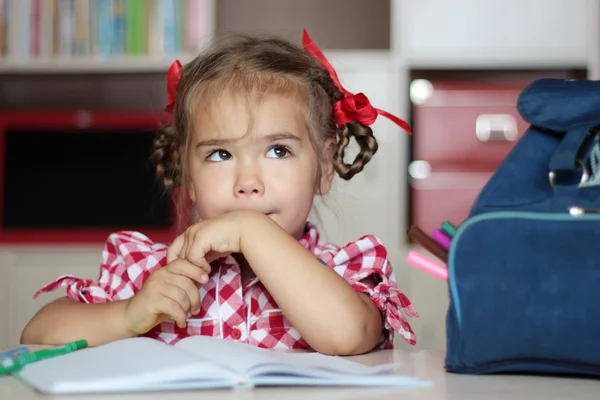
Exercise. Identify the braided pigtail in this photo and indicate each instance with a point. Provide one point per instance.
(368, 147)
(353, 114)
(167, 158)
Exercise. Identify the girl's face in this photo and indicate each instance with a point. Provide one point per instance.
(257, 159)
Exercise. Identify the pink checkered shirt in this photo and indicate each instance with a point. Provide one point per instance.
(247, 314)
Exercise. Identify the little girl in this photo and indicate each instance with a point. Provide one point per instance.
(259, 128)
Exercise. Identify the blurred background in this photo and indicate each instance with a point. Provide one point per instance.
(83, 87)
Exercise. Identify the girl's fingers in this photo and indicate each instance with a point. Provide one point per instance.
(191, 246)
(189, 241)
(197, 259)
(173, 309)
(175, 248)
(196, 249)
(194, 272)
(190, 289)
(178, 295)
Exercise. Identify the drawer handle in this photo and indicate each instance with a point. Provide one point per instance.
(419, 169)
(496, 128)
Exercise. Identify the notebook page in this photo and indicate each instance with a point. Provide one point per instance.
(383, 380)
(237, 357)
(121, 365)
(318, 365)
(247, 359)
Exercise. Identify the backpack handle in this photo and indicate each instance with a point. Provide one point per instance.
(567, 163)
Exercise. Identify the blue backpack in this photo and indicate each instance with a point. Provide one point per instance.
(524, 268)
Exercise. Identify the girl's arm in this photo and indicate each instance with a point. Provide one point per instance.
(63, 321)
(328, 312)
(170, 291)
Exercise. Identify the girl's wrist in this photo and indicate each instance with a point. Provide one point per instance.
(121, 327)
(252, 227)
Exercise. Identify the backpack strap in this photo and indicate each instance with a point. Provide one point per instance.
(568, 109)
(568, 161)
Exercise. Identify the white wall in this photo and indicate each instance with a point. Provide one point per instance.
(24, 270)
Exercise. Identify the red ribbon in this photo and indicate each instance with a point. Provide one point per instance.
(353, 107)
(173, 77)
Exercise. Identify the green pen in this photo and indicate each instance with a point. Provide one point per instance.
(14, 364)
(448, 228)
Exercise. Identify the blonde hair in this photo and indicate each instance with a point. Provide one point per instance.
(258, 65)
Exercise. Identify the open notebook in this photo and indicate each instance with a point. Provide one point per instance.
(197, 362)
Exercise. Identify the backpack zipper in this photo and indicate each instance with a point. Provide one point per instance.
(577, 211)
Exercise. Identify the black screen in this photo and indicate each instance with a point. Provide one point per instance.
(82, 179)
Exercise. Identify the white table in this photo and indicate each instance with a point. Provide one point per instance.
(426, 365)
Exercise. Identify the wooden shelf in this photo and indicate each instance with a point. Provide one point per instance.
(489, 62)
(350, 59)
(125, 64)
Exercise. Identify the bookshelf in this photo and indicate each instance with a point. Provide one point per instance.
(101, 36)
(90, 65)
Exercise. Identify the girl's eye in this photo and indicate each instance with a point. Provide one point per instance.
(278, 152)
(219, 155)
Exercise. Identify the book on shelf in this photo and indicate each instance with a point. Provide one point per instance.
(198, 362)
(103, 29)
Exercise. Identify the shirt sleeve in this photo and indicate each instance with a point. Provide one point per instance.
(368, 258)
(128, 259)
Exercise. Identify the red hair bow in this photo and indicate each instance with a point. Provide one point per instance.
(353, 107)
(173, 77)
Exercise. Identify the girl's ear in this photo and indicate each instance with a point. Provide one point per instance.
(327, 170)
(191, 192)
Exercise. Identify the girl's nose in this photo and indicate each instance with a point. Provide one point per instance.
(248, 184)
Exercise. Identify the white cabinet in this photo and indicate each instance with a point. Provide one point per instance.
(492, 33)
(24, 270)
(372, 201)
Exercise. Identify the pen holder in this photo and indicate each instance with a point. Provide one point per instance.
(523, 269)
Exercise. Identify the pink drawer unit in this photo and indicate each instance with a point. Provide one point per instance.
(445, 196)
(467, 123)
(462, 132)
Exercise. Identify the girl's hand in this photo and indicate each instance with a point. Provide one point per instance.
(211, 239)
(170, 292)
